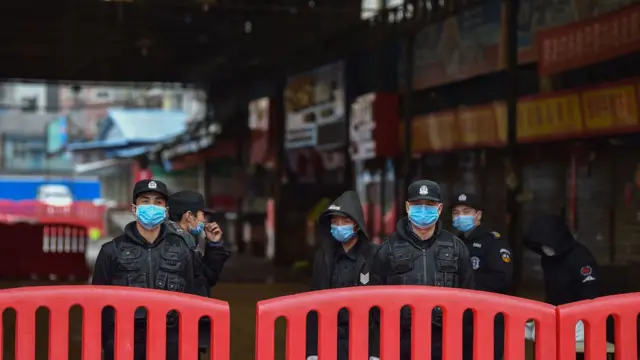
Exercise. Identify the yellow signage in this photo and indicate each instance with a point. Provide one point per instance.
(549, 117)
(610, 108)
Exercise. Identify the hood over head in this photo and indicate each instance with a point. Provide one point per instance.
(347, 204)
(550, 230)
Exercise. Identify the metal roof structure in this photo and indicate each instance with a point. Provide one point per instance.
(221, 42)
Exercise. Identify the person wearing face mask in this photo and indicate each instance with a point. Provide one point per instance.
(570, 271)
(187, 213)
(490, 255)
(342, 260)
(148, 255)
(187, 216)
(421, 252)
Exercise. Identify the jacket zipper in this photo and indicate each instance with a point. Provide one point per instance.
(149, 257)
(424, 266)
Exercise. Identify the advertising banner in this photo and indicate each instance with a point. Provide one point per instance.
(598, 111)
(549, 117)
(538, 15)
(373, 117)
(460, 47)
(315, 108)
(589, 42)
(259, 118)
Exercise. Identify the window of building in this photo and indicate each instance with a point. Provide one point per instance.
(369, 9)
(29, 104)
(20, 150)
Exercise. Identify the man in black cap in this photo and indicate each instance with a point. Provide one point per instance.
(490, 255)
(148, 255)
(187, 213)
(421, 252)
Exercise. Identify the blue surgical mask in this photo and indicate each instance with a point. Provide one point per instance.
(464, 223)
(423, 215)
(196, 230)
(150, 216)
(342, 233)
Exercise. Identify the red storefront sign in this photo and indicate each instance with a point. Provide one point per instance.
(139, 173)
(589, 42)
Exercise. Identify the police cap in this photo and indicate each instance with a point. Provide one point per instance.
(469, 199)
(145, 186)
(424, 190)
(184, 201)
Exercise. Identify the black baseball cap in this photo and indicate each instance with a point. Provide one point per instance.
(145, 186)
(424, 190)
(184, 201)
(469, 199)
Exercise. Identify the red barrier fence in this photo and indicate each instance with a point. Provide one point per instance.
(594, 313)
(60, 299)
(422, 300)
(80, 213)
(555, 327)
(43, 252)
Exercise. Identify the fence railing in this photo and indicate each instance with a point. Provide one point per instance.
(554, 337)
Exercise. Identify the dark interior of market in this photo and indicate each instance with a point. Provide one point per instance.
(531, 105)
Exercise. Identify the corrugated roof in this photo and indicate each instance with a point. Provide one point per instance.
(148, 124)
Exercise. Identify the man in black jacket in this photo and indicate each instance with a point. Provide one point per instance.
(148, 255)
(341, 261)
(187, 215)
(187, 212)
(421, 252)
(571, 273)
(490, 255)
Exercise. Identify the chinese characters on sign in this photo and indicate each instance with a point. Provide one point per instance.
(609, 108)
(553, 117)
(601, 111)
(589, 42)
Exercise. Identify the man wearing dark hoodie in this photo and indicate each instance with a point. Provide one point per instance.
(342, 260)
(571, 273)
(421, 252)
(148, 255)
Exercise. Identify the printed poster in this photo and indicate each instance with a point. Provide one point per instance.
(460, 47)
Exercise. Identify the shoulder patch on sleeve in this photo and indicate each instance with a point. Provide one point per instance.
(586, 272)
(505, 255)
(495, 234)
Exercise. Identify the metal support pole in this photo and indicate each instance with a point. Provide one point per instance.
(407, 114)
(513, 167)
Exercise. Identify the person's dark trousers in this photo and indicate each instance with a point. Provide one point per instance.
(139, 342)
(436, 345)
(498, 337)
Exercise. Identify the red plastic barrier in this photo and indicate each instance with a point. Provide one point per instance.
(594, 313)
(390, 300)
(81, 213)
(59, 300)
(54, 252)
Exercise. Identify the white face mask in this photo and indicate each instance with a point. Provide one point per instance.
(548, 251)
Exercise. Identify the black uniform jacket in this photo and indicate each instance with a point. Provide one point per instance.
(490, 259)
(572, 274)
(348, 204)
(214, 256)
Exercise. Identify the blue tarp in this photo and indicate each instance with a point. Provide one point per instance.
(136, 127)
